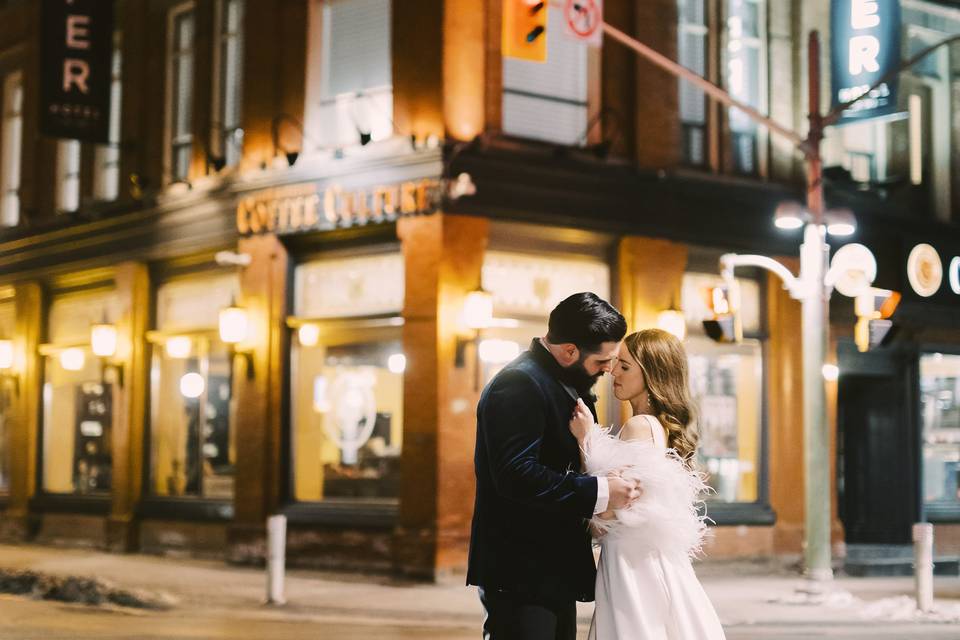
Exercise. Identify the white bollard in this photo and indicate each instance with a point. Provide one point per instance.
(276, 558)
(923, 564)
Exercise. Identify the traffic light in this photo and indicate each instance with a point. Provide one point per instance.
(525, 30)
(724, 302)
(873, 309)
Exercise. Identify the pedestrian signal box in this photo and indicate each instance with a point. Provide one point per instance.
(525, 30)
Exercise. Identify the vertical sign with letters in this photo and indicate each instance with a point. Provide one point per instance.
(76, 48)
(865, 47)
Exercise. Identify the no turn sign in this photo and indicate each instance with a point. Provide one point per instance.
(584, 20)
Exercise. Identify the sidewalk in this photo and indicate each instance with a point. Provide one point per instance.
(745, 594)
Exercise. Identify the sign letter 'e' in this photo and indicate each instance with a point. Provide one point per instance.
(864, 51)
(863, 14)
(78, 32)
(75, 72)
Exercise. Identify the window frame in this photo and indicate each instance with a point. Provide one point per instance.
(759, 511)
(183, 508)
(221, 135)
(106, 162)
(937, 513)
(11, 178)
(170, 146)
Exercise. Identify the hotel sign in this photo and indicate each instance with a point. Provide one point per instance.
(865, 47)
(310, 207)
(76, 48)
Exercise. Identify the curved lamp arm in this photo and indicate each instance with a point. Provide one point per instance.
(729, 262)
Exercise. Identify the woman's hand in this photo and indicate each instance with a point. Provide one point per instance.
(581, 422)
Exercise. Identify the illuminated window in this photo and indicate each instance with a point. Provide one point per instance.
(7, 318)
(525, 288)
(180, 101)
(11, 138)
(191, 426)
(940, 419)
(548, 100)
(347, 380)
(726, 381)
(77, 401)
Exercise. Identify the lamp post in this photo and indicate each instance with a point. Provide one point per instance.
(812, 287)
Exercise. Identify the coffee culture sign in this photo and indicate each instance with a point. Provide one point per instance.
(307, 207)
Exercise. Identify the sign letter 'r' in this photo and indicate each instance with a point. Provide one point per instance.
(864, 51)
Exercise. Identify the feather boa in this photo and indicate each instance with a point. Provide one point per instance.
(666, 517)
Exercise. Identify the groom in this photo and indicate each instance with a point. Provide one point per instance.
(530, 551)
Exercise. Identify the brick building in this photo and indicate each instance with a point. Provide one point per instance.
(316, 141)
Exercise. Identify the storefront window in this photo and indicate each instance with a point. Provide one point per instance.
(940, 415)
(347, 366)
(7, 317)
(77, 399)
(525, 289)
(193, 450)
(726, 382)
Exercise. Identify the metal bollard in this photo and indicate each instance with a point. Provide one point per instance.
(276, 558)
(923, 564)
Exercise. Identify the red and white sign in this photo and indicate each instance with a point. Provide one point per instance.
(584, 20)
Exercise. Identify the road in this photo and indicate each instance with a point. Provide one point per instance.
(23, 619)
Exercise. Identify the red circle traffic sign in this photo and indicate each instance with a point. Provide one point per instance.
(583, 17)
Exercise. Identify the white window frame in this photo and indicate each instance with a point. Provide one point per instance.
(169, 155)
(11, 155)
(226, 139)
(760, 44)
(325, 114)
(106, 172)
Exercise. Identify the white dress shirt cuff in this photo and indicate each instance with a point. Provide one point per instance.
(603, 495)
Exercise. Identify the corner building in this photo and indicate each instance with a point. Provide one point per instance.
(299, 163)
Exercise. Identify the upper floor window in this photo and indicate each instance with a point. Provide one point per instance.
(548, 100)
(744, 72)
(180, 92)
(692, 53)
(355, 101)
(68, 176)
(229, 91)
(11, 138)
(106, 176)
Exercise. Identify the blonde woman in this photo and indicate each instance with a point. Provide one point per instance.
(646, 588)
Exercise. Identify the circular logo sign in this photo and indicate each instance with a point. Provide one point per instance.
(925, 270)
(583, 18)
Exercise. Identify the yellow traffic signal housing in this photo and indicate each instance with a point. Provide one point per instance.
(525, 30)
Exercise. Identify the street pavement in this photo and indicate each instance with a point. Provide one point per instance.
(213, 600)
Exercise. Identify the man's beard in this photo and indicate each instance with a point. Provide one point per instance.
(576, 376)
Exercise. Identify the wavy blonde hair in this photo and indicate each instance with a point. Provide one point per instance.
(663, 360)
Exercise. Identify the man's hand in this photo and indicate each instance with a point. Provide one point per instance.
(622, 492)
(582, 421)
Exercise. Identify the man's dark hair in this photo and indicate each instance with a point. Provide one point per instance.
(585, 320)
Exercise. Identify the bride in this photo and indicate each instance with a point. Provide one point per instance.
(646, 587)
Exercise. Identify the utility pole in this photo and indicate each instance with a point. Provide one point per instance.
(810, 287)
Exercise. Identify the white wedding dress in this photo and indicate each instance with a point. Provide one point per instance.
(646, 587)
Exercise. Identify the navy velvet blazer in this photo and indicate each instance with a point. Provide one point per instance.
(529, 533)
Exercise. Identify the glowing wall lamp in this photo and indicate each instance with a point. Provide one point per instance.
(103, 343)
(72, 359)
(477, 315)
(672, 321)
(234, 324)
(178, 347)
(308, 334)
(6, 364)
